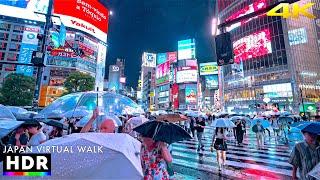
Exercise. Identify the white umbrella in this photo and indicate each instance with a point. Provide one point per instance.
(76, 113)
(5, 113)
(222, 122)
(7, 126)
(118, 151)
(132, 123)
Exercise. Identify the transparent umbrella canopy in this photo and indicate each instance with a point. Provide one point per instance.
(5, 113)
(109, 103)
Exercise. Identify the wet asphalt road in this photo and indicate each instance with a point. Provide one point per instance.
(243, 162)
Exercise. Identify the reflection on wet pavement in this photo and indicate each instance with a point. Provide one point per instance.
(243, 162)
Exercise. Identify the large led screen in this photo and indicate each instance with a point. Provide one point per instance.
(191, 94)
(85, 15)
(212, 81)
(257, 5)
(187, 74)
(163, 73)
(253, 45)
(26, 9)
(186, 49)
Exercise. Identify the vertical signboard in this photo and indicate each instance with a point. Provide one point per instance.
(100, 70)
(191, 94)
(114, 78)
(175, 98)
(28, 45)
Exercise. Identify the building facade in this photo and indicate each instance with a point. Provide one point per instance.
(83, 48)
(276, 60)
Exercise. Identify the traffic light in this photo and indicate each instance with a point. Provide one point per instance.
(224, 49)
(37, 58)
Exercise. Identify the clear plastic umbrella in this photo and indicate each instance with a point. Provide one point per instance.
(109, 154)
(111, 103)
(5, 113)
(223, 122)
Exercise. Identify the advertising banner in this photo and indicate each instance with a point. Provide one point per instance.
(161, 58)
(212, 81)
(172, 57)
(28, 45)
(191, 94)
(253, 45)
(186, 74)
(114, 78)
(175, 93)
(100, 69)
(149, 59)
(85, 15)
(208, 68)
(186, 49)
(237, 69)
(297, 36)
(26, 9)
(163, 73)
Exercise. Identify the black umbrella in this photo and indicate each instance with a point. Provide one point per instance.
(55, 123)
(162, 131)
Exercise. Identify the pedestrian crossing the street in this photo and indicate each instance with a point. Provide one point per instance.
(244, 161)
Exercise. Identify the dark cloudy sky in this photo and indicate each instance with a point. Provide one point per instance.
(156, 26)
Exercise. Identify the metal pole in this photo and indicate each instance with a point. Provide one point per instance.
(43, 49)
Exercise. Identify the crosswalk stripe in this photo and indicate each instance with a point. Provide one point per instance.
(243, 162)
(245, 156)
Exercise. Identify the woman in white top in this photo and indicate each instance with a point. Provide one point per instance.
(38, 137)
(219, 143)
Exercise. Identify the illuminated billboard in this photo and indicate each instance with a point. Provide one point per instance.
(208, 68)
(186, 49)
(114, 78)
(297, 36)
(212, 81)
(172, 57)
(186, 74)
(148, 59)
(163, 73)
(278, 90)
(257, 5)
(25, 9)
(85, 15)
(253, 45)
(191, 94)
(161, 58)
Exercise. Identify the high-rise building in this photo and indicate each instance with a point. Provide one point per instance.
(148, 66)
(84, 49)
(276, 59)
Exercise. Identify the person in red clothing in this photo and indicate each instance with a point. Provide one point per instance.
(154, 156)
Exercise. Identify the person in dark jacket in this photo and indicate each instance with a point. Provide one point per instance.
(239, 131)
(259, 130)
(192, 128)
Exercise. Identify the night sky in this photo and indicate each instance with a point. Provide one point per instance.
(156, 26)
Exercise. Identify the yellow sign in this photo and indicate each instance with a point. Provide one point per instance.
(208, 68)
(151, 94)
(139, 83)
(296, 10)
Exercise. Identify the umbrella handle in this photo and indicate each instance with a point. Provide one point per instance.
(156, 131)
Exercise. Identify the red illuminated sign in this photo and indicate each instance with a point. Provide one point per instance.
(254, 45)
(90, 11)
(257, 5)
(175, 99)
(172, 57)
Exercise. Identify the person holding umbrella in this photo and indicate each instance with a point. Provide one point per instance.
(19, 137)
(154, 158)
(306, 155)
(239, 131)
(192, 128)
(259, 130)
(106, 126)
